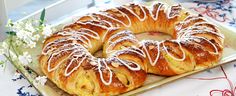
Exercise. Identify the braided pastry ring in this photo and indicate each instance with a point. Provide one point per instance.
(67, 58)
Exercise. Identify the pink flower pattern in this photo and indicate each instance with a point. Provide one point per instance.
(221, 11)
(205, 10)
(225, 92)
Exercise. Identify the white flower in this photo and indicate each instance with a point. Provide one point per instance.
(18, 42)
(47, 31)
(30, 27)
(21, 34)
(25, 59)
(32, 44)
(26, 33)
(40, 80)
(17, 26)
(5, 45)
(36, 37)
(9, 23)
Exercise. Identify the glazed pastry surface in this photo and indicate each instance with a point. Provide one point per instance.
(67, 58)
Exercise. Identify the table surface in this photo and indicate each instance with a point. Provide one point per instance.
(221, 80)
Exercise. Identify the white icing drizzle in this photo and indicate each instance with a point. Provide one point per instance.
(104, 27)
(205, 31)
(128, 66)
(195, 38)
(112, 45)
(49, 61)
(177, 41)
(128, 51)
(116, 58)
(153, 63)
(131, 49)
(131, 11)
(157, 11)
(198, 30)
(106, 15)
(81, 32)
(108, 29)
(156, 45)
(169, 9)
(79, 52)
(75, 58)
(76, 47)
(109, 23)
(124, 33)
(198, 39)
(191, 18)
(72, 38)
(206, 23)
(186, 21)
(101, 73)
(188, 32)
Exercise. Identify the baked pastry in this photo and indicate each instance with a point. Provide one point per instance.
(67, 58)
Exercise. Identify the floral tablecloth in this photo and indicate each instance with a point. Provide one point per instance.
(220, 81)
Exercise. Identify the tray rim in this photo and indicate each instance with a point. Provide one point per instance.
(155, 84)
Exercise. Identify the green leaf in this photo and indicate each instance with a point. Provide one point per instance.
(42, 17)
(1, 63)
(11, 33)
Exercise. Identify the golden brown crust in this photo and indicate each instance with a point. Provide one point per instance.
(67, 61)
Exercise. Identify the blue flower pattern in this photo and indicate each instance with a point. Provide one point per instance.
(222, 10)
